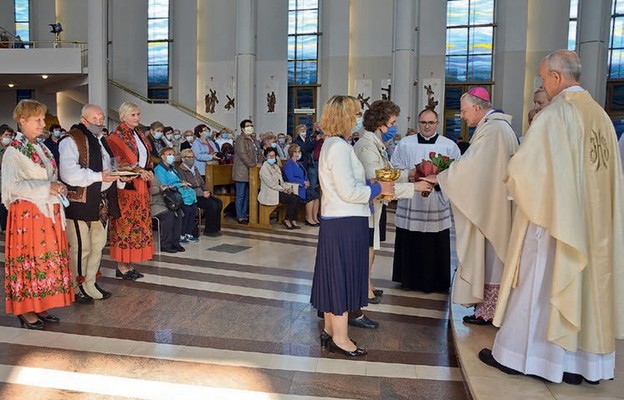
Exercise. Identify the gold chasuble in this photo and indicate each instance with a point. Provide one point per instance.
(475, 186)
(567, 178)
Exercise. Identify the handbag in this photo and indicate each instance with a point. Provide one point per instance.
(173, 198)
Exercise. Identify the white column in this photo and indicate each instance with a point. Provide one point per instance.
(98, 71)
(184, 52)
(245, 59)
(403, 92)
(334, 52)
(431, 56)
(593, 44)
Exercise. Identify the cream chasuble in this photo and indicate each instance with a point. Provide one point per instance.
(482, 210)
(567, 178)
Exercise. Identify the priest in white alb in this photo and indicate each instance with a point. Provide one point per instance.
(561, 300)
(475, 186)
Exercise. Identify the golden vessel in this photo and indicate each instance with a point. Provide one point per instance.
(387, 175)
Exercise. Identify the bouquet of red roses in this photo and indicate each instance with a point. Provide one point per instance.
(436, 164)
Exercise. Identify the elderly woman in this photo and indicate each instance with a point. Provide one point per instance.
(130, 235)
(295, 172)
(205, 148)
(37, 271)
(379, 127)
(273, 190)
(341, 268)
(169, 176)
(170, 221)
(211, 205)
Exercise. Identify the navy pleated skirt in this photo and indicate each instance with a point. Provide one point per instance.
(340, 280)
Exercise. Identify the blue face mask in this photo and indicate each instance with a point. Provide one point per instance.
(40, 139)
(56, 133)
(207, 134)
(274, 145)
(170, 159)
(389, 134)
(225, 135)
(158, 135)
(358, 125)
(298, 156)
(271, 161)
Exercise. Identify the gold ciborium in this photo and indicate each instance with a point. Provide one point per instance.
(387, 175)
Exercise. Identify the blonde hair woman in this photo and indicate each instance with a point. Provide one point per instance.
(37, 271)
(340, 282)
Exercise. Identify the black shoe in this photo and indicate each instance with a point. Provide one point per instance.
(289, 227)
(325, 338)
(81, 297)
(474, 320)
(137, 273)
(572, 379)
(295, 226)
(485, 355)
(363, 322)
(213, 234)
(105, 294)
(169, 249)
(180, 249)
(378, 292)
(126, 276)
(243, 221)
(374, 300)
(49, 318)
(38, 325)
(358, 352)
(320, 314)
(310, 224)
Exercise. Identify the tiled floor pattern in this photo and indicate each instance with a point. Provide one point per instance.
(209, 324)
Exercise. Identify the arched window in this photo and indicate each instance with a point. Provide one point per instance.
(158, 50)
(469, 56)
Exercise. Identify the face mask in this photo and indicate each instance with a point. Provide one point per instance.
(189, 162)
(207, 134)
(249, 130)
(169, 136)
(274, 145)
(271, 161)
(358, 125)
(389, 134)
(177, 136)
(282, 140)
(190, 139)
(298, 156)
(95, 129)
(158, 135)
(6, 141)
(170, 159)
(56, 133)
(40, 139)
(302, 135)
(225, 135)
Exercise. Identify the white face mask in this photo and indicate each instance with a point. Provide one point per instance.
(6, 141)
(249, 130)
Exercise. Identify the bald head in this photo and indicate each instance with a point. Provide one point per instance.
(559, 70)
(90, 109)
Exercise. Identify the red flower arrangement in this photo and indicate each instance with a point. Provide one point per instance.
(436, 164)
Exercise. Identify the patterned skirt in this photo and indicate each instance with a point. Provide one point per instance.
(37, 271)
(131, 238)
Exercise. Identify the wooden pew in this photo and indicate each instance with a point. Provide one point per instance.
(220, 176)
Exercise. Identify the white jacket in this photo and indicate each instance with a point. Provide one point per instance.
(270, 184)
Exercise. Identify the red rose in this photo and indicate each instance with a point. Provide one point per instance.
(445, 158)
(432, 154)
(426, 168)
(80, 279)
(35, 158)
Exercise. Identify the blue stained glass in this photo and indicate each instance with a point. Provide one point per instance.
(22, 30)
(481, 40)
(291, 72)
(291, 47)
(158, 53)
(574, 9)
(22, 12)
(158, 9)
(479, 68)
(619, 127)
(617, 102)
(456, 68)
(616, 71)
(292, 5)
(307, 47)
(453, 128)
(452, 95)
(456, 41)
(158, 93)
(457, 12)
(481, 12)
(307, 21)
(618, 33)
(157, 75)
(619, 6)
(292, 22)
(305, 98)
(572, 35)
(305, 72)
(158, 29)
(307, 4)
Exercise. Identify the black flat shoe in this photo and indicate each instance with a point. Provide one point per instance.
(243, 221)
(81, 297)
(34, 325)
(325, 338)
(572, 379)
(474, 320)
(485, 355)
(137, 273)
(378, 292)
(169, 250)
(358, 352)
(311, 224)
(180, 249)
(105, 294)
(363, 322)
(289, 227)
(374, 300)
(296, 226)
(126, 276)
(49, 318)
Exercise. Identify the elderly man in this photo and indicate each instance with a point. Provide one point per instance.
(422, 248)
(560, 305)
(475, 187)
(85, 168)
(540, 100)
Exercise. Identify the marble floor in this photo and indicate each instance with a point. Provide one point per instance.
(230, 319)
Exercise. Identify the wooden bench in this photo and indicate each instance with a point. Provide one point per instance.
(219, 176)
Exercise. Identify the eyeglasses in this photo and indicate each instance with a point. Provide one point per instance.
(189, 157)
(427, 122)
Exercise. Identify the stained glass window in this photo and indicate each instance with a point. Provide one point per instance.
(615, 82)
(158, 49)
(22, 19)
(574, 7)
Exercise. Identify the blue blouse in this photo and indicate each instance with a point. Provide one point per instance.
(169, 177)
(295, 172)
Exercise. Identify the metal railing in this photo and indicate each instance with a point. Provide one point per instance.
(185, 109)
